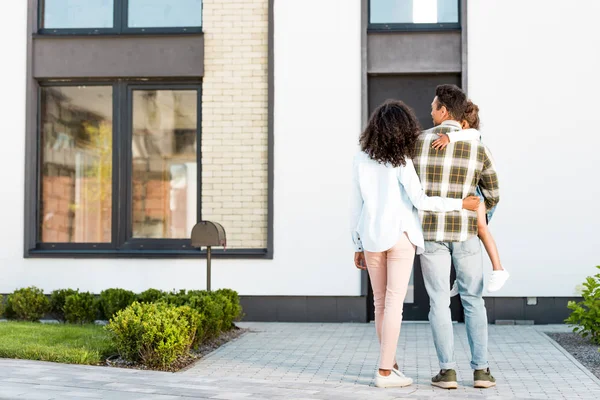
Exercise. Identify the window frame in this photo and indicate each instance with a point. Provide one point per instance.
(414, 27)
(39, 173)
(122, 244)
(120, 25)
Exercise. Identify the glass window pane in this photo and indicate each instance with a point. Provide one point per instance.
(164, 163)
(164, 13)
(414, 11)
(76, 164)
(72, 14)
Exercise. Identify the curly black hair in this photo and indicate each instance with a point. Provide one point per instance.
(391, 134)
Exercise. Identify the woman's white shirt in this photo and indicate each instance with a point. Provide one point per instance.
(384, 205)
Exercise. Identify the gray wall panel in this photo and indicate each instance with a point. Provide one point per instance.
(127, 56)
(414, 52)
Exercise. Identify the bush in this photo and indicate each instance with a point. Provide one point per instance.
(2, 307)
(212, 314)
(115, 300)
(197, 321)
(176, 298)
(585, 315)
(9, 313)
(150, 296)
(153, 334)
(57, 303)
(28, 304)
(233, 310)
(80, 308)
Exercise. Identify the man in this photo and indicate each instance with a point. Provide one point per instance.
(455, 172)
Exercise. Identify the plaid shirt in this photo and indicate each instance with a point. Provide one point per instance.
(454, 172)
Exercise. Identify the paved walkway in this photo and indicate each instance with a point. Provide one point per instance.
(319, 361)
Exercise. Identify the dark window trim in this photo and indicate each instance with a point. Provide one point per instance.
(122, 243)
(414, 27)
(188, 253)
(128, 242)
(31, 206)
(120, 21)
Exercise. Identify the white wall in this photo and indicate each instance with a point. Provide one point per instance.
(533, 69)
(317, 113)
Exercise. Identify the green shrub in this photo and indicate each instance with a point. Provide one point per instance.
(9, 313)
(2, 307)
(175, 298)
(153, 334)
(585, 315)
(233, 310)
(115, 300)
(29, 304)
(212, 314)
(57, 303)
(80, 308)
(150, 296)
(196, 321)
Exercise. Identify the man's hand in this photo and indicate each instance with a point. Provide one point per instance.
(442, 142)
(359, 260)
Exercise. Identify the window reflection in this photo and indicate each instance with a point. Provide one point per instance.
(413, 11)
(74, 14)
(164, 13)
(76, 164)
(164, 163)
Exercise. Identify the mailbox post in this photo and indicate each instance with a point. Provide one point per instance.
(208, 234)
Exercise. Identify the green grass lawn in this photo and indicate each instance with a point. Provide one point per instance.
(72, 344)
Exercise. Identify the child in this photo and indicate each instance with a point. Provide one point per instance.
(470, 131)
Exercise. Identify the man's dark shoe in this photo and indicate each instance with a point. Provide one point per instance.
(446, 379)
(483, 379)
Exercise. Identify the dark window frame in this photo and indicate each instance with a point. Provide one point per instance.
(120, 25)
(414, 27)
(122, 244)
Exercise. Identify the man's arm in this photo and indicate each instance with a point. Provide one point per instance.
(488, 181)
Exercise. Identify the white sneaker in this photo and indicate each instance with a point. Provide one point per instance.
(497, 280)
(454, 290)
(395, 379)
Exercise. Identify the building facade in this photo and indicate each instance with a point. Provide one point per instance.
(129, 121)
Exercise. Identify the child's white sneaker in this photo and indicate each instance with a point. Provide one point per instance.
(454, 290)
(395, 379)
(497, 280)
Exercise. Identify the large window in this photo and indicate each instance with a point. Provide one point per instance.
(119, 166)
(164, 147)
(119, 16)
(76, 164)
(414, 14)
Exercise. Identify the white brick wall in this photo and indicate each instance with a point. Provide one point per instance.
(234, 119)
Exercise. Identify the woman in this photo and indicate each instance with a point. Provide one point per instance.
(385, 224)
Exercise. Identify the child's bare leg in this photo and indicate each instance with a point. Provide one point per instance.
(488, 240)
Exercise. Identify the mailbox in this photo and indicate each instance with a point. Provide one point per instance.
(208, 234)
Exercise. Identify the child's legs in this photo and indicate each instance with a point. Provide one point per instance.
(487, 239)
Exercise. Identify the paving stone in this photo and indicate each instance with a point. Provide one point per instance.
(319, 361)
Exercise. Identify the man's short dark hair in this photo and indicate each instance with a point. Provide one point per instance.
(453, 98)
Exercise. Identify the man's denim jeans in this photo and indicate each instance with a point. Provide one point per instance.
(435, 263)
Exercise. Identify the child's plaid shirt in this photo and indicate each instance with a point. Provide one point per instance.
(454, 172)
